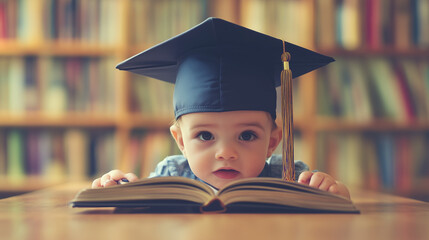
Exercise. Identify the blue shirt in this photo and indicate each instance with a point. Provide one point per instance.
(178, 165)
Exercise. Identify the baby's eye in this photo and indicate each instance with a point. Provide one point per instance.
(205, 136)
(247, 136)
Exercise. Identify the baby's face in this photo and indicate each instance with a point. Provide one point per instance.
(226, 146)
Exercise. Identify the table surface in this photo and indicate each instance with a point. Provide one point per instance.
(45, 214)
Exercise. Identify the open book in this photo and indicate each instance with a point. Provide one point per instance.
(180, 194)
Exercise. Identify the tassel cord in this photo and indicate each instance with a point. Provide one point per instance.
(287, 120)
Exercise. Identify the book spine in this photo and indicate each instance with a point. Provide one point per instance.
(423, 22)
(4, 84)
(414, 25)
(145, 149)
(415, 82)
(56, 154)
(403, 168)
(31, 86)
(374, 88)
(371, 24)
(3, 20)
(15, 149)
(81, 21)
(405, 93)
(3, 154)
(325, 21)
(32, 153)
(16, 85)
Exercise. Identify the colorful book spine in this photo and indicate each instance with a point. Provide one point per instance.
(3, 154)
(374, 88)
(82, 21)
(15, 156)
(295, 25)
(151, 97)
(372, 25)
(56, 154)
(145, 149)
(155, 21)
(348, 24)
(386, 162)
(68, 85)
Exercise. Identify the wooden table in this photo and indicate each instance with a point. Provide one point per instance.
(44, 214)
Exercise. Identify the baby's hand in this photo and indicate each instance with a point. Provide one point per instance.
(324, 182)
(112, 178)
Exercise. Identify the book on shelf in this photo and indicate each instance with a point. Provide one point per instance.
(155, 147)
(68, 85)
(55, 154)
(403, 168)
(373, 25)
(367, 89)
(86, 21)
(348, 24)
(151, 97)
(294, 26)
(415, 81)
(3, 159)
(405, 93)
(180, 194)
(145, 150)
(381, 74)
(388, 161)
(15, 163)
(155, 21)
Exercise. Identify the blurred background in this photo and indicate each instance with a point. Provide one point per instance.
(67, 114)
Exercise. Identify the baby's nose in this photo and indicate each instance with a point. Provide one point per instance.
(226, 151)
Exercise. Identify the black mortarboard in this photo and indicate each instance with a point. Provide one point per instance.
(219, 66)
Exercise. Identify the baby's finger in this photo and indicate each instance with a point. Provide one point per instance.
(110, 183)
(131, 177)
(326, 183)
(304, 177)
(96, 183)
(105, 178)
(316, 180)
(334, 189)
(116, 175)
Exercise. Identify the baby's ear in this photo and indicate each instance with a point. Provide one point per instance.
(275, 138)
(176, 132)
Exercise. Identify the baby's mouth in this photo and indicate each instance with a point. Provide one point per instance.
(226, 173)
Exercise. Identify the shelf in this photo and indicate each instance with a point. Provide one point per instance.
(137, 49)
(384, 52)
(121, 123)
(136, 120)
(56, 48)
(63, 120)
(330, 124)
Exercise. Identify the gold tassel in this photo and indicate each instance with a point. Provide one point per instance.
(288, 173)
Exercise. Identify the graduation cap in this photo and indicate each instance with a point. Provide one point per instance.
(219, 66)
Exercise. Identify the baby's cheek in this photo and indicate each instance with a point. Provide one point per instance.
(254, 170)
(198, 166)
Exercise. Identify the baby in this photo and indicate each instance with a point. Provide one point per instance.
(225, 105)
(221, 147)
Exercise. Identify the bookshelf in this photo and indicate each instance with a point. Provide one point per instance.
(111, 122)
(363, 116)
